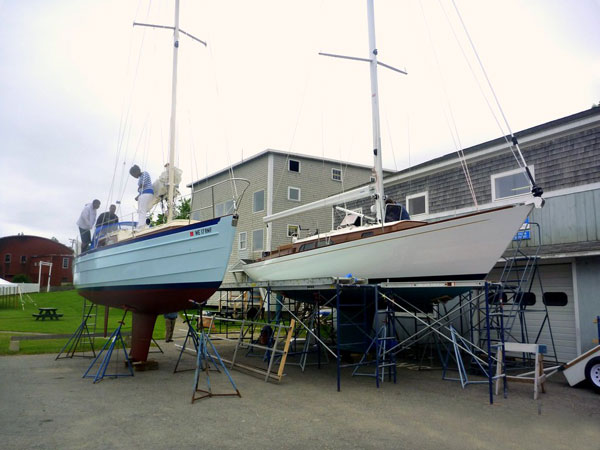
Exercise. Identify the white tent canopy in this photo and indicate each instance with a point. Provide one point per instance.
(4, 283)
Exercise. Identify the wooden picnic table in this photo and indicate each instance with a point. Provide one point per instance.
(47, 313)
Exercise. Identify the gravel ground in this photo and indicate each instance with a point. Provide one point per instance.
(46, 404)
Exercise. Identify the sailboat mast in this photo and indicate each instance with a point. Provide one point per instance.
(380, 201)
(170, 205)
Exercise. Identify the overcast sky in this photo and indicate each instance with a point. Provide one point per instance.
(83, 94)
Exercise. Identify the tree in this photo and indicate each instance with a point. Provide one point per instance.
(182, 211)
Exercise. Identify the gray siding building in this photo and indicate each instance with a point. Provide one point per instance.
(278, 181)
(565, 158)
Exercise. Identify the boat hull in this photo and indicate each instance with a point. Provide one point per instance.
(157, 273)
(462, 248)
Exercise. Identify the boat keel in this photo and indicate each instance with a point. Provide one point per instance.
(141, 335)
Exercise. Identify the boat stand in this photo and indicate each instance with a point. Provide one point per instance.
(454, 353)
(385, 361)
(81, 334)
(202, 364)
(311, 345)
(115, 338)
(192, 336)
(160, 350)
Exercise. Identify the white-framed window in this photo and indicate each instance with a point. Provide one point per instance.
(65, 264)
(242, 240)
(294, 165)
(417, 204)
(293, 230)
(7, 258)
(224, 208)
(258, 201)
(294, 194)
(258, 240)
(23, 259)
(372, 179)
(511, 183)
(336, 174)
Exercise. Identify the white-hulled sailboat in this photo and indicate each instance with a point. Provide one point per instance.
(459, 248)
(160, 269)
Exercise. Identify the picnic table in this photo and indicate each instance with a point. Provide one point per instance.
(47, 313)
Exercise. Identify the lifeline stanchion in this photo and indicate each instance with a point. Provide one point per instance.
(115, 337)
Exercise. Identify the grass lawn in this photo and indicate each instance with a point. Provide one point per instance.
(18, 320)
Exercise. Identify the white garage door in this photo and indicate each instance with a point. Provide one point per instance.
(556, 278)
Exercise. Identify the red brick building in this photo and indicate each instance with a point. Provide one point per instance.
(22, 254)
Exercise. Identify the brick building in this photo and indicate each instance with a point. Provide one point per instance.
(22, 255)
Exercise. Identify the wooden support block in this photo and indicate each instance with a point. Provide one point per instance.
(142, 366)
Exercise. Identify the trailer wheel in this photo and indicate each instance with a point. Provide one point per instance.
(592, 372)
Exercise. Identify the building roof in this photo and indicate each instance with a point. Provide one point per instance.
(286, 154)
(498, 143)
(23, 237)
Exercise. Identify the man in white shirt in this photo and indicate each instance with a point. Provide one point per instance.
(86, 222)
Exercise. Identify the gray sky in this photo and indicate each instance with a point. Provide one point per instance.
(82, 92)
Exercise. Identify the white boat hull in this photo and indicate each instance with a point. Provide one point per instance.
(464, 248)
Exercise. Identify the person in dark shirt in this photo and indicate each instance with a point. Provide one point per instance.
(395, 211)
(105, 224)
(108, 217)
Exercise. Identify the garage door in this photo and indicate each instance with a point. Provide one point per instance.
(557, 284)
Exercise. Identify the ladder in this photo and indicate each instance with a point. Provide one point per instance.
(84, 334)
(510, 301)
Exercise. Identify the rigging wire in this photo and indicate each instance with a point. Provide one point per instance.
(309, 73)
(449, 115)
(125, 115)
(221, 113)
(503, 132)
(536, 190)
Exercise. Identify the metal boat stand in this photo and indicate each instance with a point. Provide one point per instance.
(385, 362)
(115, 338)
(192, 336)
(202, 364)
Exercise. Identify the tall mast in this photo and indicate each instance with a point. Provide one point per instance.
(380, 201)
(170, 205)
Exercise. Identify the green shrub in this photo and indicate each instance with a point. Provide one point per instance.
(21, 278)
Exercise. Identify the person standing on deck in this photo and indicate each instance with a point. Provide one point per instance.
(145, 195)
(86, 222)
(107, 222)
(108, 217)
